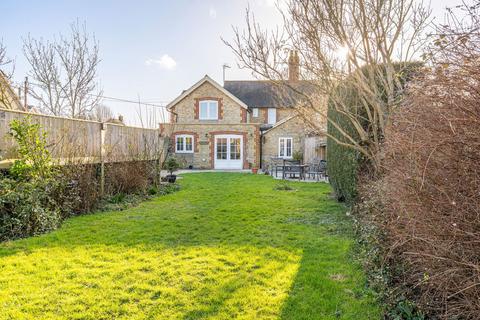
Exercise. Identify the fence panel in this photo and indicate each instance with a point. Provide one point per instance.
(81, 140)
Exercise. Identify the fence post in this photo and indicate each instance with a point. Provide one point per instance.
(103, 130)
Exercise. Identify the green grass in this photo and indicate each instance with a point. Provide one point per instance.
(226, 246)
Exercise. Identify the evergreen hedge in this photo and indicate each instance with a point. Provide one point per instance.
(344, 163)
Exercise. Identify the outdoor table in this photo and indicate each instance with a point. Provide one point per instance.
(301, 170)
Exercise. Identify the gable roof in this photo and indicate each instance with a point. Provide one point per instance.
(198, 84)
(279, 123)
(266, 94)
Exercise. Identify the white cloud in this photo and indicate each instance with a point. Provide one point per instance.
(165, 62)
(212, 13)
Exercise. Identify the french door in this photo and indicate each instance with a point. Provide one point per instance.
(228, 152)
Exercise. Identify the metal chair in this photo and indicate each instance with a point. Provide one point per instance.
(317, 169)
(276, 164)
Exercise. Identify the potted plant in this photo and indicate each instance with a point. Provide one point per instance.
(254, 170)
(171, 165)
(297, 156)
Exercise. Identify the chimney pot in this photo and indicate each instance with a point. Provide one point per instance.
(293, 66)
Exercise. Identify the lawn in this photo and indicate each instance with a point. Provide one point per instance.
(227, 245)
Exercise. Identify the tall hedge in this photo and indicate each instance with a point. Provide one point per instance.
(344, 163)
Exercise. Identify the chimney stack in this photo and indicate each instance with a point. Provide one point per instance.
(293, 66)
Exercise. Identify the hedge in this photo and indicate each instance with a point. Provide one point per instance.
(345, 164)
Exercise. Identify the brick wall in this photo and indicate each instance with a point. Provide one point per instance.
(204, 142)
(187, 110)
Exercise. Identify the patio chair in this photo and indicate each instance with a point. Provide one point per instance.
(276, 165)
(323, 168)
(317, 170)
(314, 170)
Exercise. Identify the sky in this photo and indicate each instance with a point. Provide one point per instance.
(150, 50)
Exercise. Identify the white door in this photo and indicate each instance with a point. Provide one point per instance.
(228, 152)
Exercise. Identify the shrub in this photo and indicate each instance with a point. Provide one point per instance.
(297, 156)
(129, 177)
(432, 189)
(35, 198)
(32, 207)
(172, 165)
(432, 177)
(34, 158)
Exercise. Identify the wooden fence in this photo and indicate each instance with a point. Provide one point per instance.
(314, 148)
(84, 141)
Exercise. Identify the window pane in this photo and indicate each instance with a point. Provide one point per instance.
(179, 143)
(213, 110)
(204, 110)
(282, 148)
(235, 149)
(255, 112)
(222, 148)
(288, 152)
(272, 115)
(188, 144)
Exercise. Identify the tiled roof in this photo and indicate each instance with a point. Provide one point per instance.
(266, 94)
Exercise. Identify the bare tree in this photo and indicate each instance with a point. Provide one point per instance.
(101, 113)
(334, 40)
(65, 72)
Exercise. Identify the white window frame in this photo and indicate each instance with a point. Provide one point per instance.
(274, 120)
(255, 112)
(184, 145)
(285, 147)
(208, 103)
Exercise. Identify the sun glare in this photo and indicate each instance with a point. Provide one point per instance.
(342, 52)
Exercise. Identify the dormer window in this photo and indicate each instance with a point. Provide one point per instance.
(208, 110)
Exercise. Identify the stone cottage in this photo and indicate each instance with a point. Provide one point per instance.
(240, 125)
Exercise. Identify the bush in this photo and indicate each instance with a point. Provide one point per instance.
(32, 207)
(35, 198)
(129, 177)
(172, 165)
(432, 191)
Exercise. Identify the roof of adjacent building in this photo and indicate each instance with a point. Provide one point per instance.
(266, 94)
(8, 97)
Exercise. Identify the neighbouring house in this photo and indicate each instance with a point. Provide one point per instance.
(241, 125)
(8, 98)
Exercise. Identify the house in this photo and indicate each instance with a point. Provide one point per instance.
(240, 125)
(8, 98)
